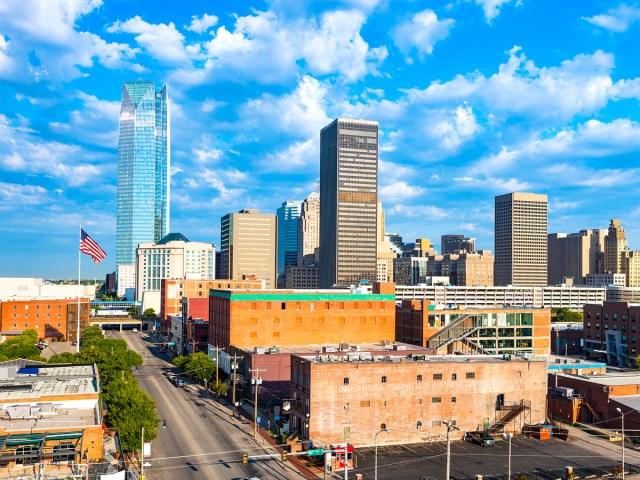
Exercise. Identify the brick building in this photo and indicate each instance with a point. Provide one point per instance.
(53, 319)
(248, 319)
(351, 400)
(50, 415)
(611, 332)
(478, 330)
(594, 398)
(173, 290)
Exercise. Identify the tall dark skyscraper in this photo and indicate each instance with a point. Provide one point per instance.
(143, 174)
(348, 202)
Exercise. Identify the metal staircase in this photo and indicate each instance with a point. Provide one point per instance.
(461, 327)
(474, 347)
(512, 412)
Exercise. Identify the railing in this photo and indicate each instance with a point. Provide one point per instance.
(461, 327)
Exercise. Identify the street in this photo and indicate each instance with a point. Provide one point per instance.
(201, 439)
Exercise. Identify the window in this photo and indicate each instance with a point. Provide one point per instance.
(345, 380)
(454, 399)
(471, 374)
(283, 306)
(454, 376)
(418, 424)
(384, 379)
(326, 305)
(419, 378)
(436, 399)
(365, 403)
(437, 376)
(383, 426)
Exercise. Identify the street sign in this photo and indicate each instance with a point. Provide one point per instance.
(315, 452)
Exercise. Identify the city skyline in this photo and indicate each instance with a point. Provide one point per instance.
(474, 100)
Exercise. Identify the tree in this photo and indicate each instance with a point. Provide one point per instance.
(133, 311)
(21, 346)
(201, 367)
(219, 388)
(149, 312)
(565, 315)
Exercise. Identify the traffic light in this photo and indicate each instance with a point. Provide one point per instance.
(245, 458)
(284, 456)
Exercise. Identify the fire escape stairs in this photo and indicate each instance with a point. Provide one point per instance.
(461, 327)
(512, 412)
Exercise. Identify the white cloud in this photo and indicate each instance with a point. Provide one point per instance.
(202, 24)
(625, 89)
(210, 105)
(491, 8)
(421, 32)
(553, 94)
(22, 151)
(14, 194)
(46, 30)
(162, 41)
(459, 127)
(400, 191)
(421, 211)
(295, 158)
(96, 123)
(617, 19)
(301, 113)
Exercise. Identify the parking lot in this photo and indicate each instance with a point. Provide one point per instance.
(536, 459)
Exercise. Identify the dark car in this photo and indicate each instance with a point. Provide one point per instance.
(179, 382)
(481, 438)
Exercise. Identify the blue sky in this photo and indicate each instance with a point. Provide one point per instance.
(475, 98)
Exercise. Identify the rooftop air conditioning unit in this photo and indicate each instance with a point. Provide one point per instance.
(386, 343)
(259, 350)
(343, 346)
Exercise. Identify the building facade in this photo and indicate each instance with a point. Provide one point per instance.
(352, 399)
(615, 244)
(249, 242)
(174, 256)
(611, 332)
(309, 230)
(606, 279)
(348, 202)
(143, 169)
(288, 317)
(302, 277)
(53, 319)
(521, 239)
(173, 290)
(489, 331)
(288, 216)
(453, 243)
(410, 270)
(575, 255)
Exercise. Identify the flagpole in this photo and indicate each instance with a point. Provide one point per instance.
(79, 260)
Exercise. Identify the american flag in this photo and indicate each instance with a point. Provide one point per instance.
(90, 247)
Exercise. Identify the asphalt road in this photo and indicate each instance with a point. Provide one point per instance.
(544, 460)
(201, 440)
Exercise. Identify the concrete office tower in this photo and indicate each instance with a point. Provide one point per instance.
(385, 253)
(575, 255)
(615, 244)
(631, 267)
(456, 244)
(143, 170)
(309, 230)
(248, 246)
(288, 218)
(348, 202)
(174, 256)
(521, 239)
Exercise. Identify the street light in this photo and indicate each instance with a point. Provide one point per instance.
(375, 470)
(450, 426)
(622, 417)
(508, 436)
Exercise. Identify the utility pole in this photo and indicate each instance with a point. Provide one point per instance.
(142, 456)
(234, 367)
(450, 426)
(217, 369)
(256, 381)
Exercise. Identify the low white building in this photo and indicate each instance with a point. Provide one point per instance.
(11, 287)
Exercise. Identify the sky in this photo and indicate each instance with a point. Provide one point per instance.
(474, 98)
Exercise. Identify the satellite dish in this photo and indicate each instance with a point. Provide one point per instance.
(286, 406)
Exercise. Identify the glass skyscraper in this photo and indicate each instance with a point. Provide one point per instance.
(288, 218)
(143, 169)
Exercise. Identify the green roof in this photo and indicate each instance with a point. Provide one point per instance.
(289, 297)
(173, 237)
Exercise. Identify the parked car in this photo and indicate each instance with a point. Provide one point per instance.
(481, 438)
(179, 382)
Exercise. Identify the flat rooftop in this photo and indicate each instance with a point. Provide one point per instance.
(559, 362)
(301, 295)
(367, 357)
(629, 401)
(615, 379)
(396, 348)
(63, 418)
(35, 382)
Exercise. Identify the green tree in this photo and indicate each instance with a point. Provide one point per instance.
(201, 367)
(21, 346)
(91, 336)
(219, 388)
(181, 361)
(149, 312)
(133, 311)
(565, 315)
